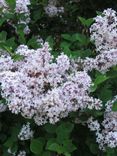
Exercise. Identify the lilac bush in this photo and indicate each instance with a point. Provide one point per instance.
(58, 83)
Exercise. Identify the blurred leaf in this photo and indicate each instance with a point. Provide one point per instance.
(111, 152)
(38, 14)
(94, 148)
(9, 142)
(67, 37)
(69, 146)
(2, 21)
(3, 36)
(37, 145)
(99, 13)
(47, 153)
(11, 3)
(50, 128)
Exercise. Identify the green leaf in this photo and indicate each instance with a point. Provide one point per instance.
(99, 13)
(94, 148)
(9, 142)
(14, 148)
(12, 144)
(33, 43)
(66, 37)
(50, 141)
(86, 22)
(67, 154)
(21, 35)
(63, 131)
(84, 40)
(114, 107)
(65, 147)
(56, 148)
(38, 14)
(111, 152)
(81, 53)
(65, 127)
(2, 21)
(65, 46)
(97, 113)
(11, 43)
(50, 128)
(69, 146)
(37, 145)
(15, 131)
(3, 137)
(52, 145)
(50, 40)
(17, 57)
(46, 153)
(3, 36)
(99, 80)
(13, 139)
(9, 15)
(105, 94)
(11, 3)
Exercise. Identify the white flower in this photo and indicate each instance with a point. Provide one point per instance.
(93, 125)
(104, 31)
(3, 7)
(22, 6)
(106, 132)
(3, 107)
(63, 63)
(51, 10)
(25, 133)
(21, 153)
(39, 88)
(26, 30)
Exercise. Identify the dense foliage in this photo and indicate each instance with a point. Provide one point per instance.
(58, 78)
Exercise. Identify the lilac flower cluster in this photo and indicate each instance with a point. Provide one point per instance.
(104, 31)
(22, 7)
(3, 5)
(52, 10)
(106, 132)
(104, 34)
(102, 62)
(20, 153)
(3, 107)
(25, 133)
(43, 89)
